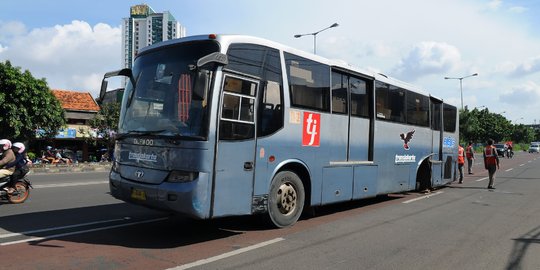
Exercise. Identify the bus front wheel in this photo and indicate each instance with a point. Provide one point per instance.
(286, 199)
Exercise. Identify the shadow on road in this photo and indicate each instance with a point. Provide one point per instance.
(103, 225)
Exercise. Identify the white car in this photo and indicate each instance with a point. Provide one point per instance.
(534, 148)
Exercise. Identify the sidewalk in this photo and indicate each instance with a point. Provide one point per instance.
(78, 167)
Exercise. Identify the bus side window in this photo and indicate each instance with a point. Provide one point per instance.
(390, 102)
(271, 116)
(237, 111)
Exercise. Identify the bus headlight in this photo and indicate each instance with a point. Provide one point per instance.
(182, 176)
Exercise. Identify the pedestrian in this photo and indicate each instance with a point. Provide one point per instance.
(461, 162)
(491, 162)
(470, 157)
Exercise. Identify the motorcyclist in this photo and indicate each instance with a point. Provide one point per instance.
(8, 156)
(21, 161)
(21, 169)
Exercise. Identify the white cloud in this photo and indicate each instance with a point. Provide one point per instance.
(68, 56)
(523, 95)
(428, 58)
(495, 4)
(518, 9)
(530, 66)
(10, 29)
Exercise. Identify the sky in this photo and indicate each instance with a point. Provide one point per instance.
(73, 43)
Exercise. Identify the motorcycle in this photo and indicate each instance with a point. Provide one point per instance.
(21, 189)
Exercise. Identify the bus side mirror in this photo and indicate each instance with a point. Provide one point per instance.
(216, 58)
(123, 72)
(200, 84)
(103, 90)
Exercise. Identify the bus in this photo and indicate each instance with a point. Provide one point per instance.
(223, 125)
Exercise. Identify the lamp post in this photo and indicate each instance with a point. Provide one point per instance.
(461, 84)
(314, 34)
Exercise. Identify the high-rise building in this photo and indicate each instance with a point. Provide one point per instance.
(145, 27)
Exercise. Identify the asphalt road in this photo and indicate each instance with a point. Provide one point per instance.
(71, 222)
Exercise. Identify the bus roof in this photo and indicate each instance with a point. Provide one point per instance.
(226, 39)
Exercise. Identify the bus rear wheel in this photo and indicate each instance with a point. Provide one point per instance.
(286, 199)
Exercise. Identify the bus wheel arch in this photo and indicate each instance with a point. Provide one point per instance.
(288, 194)
(423, 176)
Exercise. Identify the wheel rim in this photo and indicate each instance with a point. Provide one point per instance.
(286, 198)
(20, 194)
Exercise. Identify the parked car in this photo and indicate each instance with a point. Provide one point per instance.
(534, 148)
(501, 149)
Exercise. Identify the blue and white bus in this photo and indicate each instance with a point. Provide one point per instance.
(222, 125)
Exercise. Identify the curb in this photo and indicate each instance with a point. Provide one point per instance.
(71, 168)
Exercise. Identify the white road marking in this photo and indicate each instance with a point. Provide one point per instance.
(228, 254)
(61, 227)
(423, 197)
(481, 179)
(70, 184)
(81, 232)
(509, 169)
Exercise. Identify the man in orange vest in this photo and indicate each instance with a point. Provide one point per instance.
(460, 162)
(470, 157)
(491, 162)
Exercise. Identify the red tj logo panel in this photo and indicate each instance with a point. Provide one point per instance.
(311, 129)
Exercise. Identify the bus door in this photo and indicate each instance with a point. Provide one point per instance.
(437, 141)
(360, 134)
(360, 137)
(235, 156)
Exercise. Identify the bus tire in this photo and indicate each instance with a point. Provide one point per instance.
(286, 199)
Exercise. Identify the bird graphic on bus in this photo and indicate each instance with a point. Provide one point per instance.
(406, 138)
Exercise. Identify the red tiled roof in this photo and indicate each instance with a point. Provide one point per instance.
(77, 101)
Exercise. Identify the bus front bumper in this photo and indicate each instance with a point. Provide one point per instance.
(190, 198)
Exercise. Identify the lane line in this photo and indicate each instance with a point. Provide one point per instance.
(70, 184)
(509, 169)
(62, 227)
(32, 239)
(481, 179)
(226, 255)
(423, 197)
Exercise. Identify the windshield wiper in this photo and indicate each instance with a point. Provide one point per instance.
(138, 132)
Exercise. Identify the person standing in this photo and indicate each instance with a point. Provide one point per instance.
(491, 162)
(470, 157)
(461, 162)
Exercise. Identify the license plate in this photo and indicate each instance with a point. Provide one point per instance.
(138, 194)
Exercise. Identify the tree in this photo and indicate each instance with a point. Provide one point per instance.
(27, 105)
(521, 133)
(105, 124)
(479, 126)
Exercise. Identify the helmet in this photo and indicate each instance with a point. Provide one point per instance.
(49, 147)
(19, 145)
(5, 143)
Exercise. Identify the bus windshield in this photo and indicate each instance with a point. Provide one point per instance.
(170, 97)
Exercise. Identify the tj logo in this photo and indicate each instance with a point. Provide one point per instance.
(311, 129)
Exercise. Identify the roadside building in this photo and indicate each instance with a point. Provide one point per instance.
(80, 108)
(145, 27)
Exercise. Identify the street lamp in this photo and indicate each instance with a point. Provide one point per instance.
(314, 34)
(460, 84)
